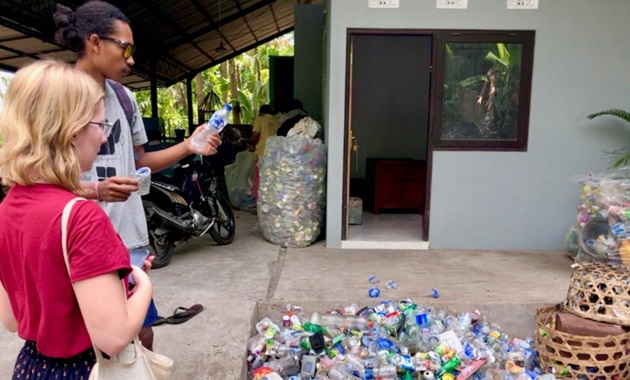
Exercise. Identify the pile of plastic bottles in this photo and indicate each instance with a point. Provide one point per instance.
(291, 194)
(393, 340)
(602, 231)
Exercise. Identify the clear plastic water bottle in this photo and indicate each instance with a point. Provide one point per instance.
(346, 321)
(216, 123)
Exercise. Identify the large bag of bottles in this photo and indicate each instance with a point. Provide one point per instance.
(603, 220)
(292, 190)
(239, 177)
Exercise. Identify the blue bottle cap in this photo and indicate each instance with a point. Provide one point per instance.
(374, 292)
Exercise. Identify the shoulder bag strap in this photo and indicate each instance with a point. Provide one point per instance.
(64, 229)
(123, 99)
(65, 216)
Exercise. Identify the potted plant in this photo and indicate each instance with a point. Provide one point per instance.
(621, 156)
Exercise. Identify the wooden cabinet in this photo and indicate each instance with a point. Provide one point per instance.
(395, 183)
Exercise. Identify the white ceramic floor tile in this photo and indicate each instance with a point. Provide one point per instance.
(386, 231)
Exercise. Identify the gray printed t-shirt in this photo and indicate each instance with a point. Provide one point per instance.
(116, 158)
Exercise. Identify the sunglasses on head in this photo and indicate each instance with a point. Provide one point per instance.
(128, 48)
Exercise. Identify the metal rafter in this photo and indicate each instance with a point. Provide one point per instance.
(33, 18)
(275, 19)
(153, 9)
(240, 10)
(208, 17)
(223, 21)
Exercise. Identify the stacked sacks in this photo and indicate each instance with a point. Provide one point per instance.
(292, 190)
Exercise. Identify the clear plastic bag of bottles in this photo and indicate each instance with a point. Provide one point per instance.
(291, 194)
(603, 217)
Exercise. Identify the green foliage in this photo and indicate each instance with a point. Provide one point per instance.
(253, 87)
(620, 157)
(481, 89)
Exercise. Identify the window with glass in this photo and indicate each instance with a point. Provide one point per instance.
(483, 82)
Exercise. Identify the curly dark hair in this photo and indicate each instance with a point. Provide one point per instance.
(266, 109)
(93, 17)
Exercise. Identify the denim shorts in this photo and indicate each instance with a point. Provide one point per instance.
(152, 315)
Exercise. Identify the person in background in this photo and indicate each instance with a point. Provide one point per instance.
(265, 125)
(292, 117)
(53, 124)
(102, 36)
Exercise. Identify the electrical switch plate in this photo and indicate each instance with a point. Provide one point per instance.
(452, 4)
(522, 4)
(383, 4)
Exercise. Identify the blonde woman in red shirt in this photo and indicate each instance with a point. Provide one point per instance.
(53, 124)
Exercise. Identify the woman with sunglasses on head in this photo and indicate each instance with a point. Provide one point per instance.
(102, 36)
(53, 127)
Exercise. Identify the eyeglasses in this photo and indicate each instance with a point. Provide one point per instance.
(105, 126)
(128, 47)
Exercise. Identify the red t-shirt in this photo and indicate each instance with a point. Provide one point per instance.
(32, 267)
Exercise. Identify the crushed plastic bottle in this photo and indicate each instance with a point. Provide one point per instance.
(345, 321)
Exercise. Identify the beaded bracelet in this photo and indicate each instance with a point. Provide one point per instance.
(98, 197)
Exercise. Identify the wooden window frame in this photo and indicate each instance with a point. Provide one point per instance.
(526, 38)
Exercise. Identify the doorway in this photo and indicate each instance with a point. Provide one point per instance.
(387, 130)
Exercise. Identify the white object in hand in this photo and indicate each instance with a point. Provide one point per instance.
(143, 175)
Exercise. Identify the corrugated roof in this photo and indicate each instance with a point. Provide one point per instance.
(179, 38)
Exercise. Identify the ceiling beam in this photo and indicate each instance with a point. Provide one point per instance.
(275, 19)
(223, 21)
(251, 31)
(164, 19)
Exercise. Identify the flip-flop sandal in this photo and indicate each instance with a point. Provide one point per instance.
(182, 314)
(159, 321)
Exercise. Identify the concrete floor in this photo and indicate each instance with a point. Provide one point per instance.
(251, 278)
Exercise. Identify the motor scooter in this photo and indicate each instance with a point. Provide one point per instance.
(184, 205)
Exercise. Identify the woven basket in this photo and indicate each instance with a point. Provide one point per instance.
(600, 292)
(580, 357)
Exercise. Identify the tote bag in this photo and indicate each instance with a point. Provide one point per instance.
(135, 361)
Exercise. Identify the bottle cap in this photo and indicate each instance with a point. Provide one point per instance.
(391, 285)
(228, 106)
(374, 292)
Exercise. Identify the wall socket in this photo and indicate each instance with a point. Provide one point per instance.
(452, 4)
(522, 4)
(383, 4)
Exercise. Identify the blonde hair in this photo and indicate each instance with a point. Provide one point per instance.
(46, 104)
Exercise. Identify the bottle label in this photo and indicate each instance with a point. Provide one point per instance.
(216, 123)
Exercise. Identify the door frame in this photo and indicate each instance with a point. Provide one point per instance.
(350, 33)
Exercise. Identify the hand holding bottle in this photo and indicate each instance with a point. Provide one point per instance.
(210, 144)
(219, 119)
